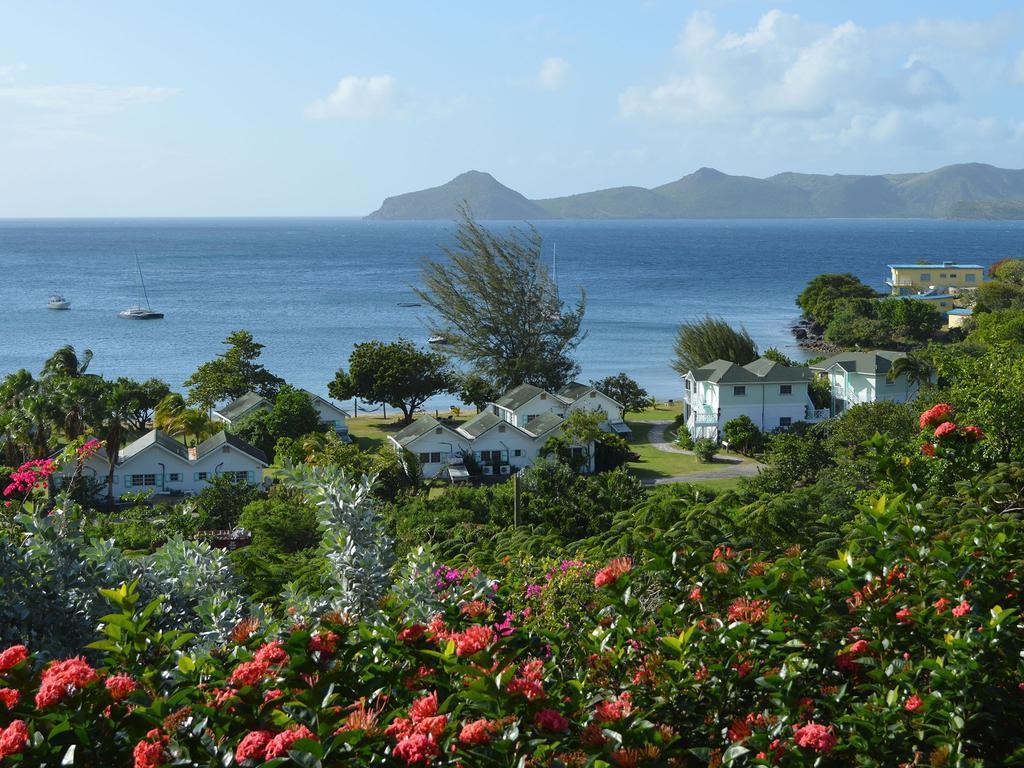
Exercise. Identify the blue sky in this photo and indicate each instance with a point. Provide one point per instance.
(324, 108)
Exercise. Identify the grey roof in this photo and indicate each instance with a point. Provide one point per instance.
(518, 396)
(545, 422)
(238, 408)
(874, 362)
(573, 391)
(153, 437)
(480, 423)
(758, 372)
(421, 426)
(318, 399)
(223, 438)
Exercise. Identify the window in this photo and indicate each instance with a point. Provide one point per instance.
(174, 477)
(687, 385)
(952, 274)
(785, 421)
(501, 427)
(543, 395)
(969, 278)
(438, 431)
(785, 389)
(517, 452)
(493, 457)
(433, 457)
(201, 475)
(739, 391)
(924, 277)
(593, 394)
(237, 477)
(942, 275)
(531, 417)
(143, 480)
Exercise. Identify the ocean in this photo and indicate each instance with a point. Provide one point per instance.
(309, 289)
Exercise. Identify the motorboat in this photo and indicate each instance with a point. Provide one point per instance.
(409, 304)
(58, 302)
(437, 340)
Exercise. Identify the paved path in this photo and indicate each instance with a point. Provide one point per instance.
(728, 466)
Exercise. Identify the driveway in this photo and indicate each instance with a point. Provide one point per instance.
(722, 467)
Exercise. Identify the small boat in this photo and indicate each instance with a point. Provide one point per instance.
(409, 304)
(437, 340)
(137, 311)
(58, 302)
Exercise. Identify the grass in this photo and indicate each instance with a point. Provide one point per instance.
(655, 464)
(371, 431)
(661, 412)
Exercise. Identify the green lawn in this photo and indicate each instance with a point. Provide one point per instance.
(655, 464)
(371, 431)
(660, 412)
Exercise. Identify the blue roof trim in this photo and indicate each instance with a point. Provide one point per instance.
(934, 266)
(926, 296)
(960, 311)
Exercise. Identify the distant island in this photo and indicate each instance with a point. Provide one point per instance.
(967, 191)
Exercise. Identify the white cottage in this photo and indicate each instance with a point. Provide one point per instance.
(863, 377)
(158, 463)
(329, 413)
(771, 394)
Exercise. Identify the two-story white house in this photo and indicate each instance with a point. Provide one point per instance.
(863, 377)
(329, 412)
(771, 394)
(158, 463)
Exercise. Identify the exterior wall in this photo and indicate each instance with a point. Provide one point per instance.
(176, 474)
(856, 388)
(906, 280)
(223, 461)
(942, 305)
(957, 321)
(447, 445)
(541, 404)
(508, 443)
(710, 406)
(597, 401)
(330, 415)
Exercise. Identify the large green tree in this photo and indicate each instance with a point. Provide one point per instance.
(711, 338)
(232, 373)
(625, 391)
(292, 416)
(396, 373)
(820, 298)
(500, 311)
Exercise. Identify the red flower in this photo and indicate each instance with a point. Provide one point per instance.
(272, 654)
(280, 744)
(474, 639)
(425, 706)
(974, 433)
(323, 643)
(847, 660)
(476, 732)
(416, 748)
(936, 414)
(120, 686)
(432, 726)
(928, 449)
(746, 610)
(962, 610)
(12, 657)
(613, 710)
(695, 594)
(149, 752)
(613, 571)
(904, 616)
(13, 738)
(945, 428)
(941, 603)
(529, 681)
(411, 634)
(249, 673)
(551, 721)
(815, 737)
(253, 746)
(9, 697)
(62, 678)
(913, 703)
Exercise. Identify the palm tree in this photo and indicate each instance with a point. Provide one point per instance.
(66, 362)
(117, 404)
(168, 411)
(16, 426)
(196, 424)
(918, 369)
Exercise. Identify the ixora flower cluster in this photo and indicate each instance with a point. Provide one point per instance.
(941, 434)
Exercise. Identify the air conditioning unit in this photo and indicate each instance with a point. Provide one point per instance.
(488, 469)
(505, 469)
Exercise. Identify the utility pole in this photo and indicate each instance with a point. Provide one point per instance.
(515, 500)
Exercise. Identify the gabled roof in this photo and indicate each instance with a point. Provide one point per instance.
(148, 440)
(518, 396)
(417, 429)
(874, 362)
(238, 408)
(573, 391)
(760, 371)
(317, 399)
(480, 423)
(223, 438)
(542, 424)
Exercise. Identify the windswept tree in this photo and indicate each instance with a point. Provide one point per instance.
(625, 391)
(232, 374)
(823, 295)
(500, 311)
(397, 374)
(919, 369)
(711, 338)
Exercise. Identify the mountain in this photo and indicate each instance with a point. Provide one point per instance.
(486, 196)
(970, 190)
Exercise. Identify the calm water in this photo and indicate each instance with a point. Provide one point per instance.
(311, 288)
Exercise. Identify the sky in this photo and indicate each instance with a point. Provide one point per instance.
(257, 108)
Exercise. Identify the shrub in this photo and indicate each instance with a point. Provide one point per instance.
(742, 434)
(683, 439)
(704, 448)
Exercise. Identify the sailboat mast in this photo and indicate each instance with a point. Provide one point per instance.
(145, 293)
(554, 266)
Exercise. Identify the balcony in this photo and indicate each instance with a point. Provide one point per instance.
(817, 414)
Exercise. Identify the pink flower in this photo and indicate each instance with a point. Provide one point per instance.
(913, 703)
(474, 639)
(476, 733)
(945, 428)
(280, 744)
(815, 737)
(10, 697)
(962, 610)
(746, 610)
(249, 673)
(613, 710)
(416, 748)
(411, 634)
(62, 678)
(936, 414)
(253, 746)
(272, 654)
(928, 449)
(12, 656)
(323, 643)
(13, 738)
(551, 721)
(425, 706)
(149, 752)
(120, 686)
(904, 616)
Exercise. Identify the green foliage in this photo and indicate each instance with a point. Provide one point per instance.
(683, 438)
(477, 391)
(711, 338)
(625, 391)
(825, 294)
(232, 374)
(500, 311)
(221, 502)
(705, 449)
(909, 319)
(1003, 326)
(292, 416)
(396, 373)
(742, 435)
(792, 459)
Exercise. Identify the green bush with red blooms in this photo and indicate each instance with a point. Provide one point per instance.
(904, 648)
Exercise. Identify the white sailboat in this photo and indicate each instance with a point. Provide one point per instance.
(137, 311)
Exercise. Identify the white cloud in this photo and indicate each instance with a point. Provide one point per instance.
(553, 73)
(357, 98)
(787, 67)
(8, 71)
(84, 100)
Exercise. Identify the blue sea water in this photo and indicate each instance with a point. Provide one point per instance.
(311, 288)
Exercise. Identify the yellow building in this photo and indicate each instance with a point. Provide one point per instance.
(940, 302)
(957, 317)
(906, 279)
